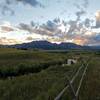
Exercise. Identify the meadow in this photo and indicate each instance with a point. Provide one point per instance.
(39, 75)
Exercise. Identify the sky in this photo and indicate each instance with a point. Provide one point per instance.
(76, 21)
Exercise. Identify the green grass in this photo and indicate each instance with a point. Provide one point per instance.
(15, 62)
(39, 75)
(91, 86)
(40, 86)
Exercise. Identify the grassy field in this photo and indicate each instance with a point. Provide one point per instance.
(91, 86)
(39, 75)
(15, 62)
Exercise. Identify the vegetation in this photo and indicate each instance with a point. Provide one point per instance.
(17, 62)
(91, 86)
(39, 75)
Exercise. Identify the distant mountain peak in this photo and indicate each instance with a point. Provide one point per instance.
(46, 45)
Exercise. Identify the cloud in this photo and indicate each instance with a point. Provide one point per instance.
(6, 27)
(81, 9)
(4, 40)
(50, 26)
(83, 5)
(63, 12)
(77, 6)
(57, 20)
(29, 38)
(25, 27)
(87, 22)
(57, 30)
(61, 31)
(73, 26)
(86, 3)
(79, 14)
(6, 9)
(33, 3)
(77, 31)
(6, 5)
(97, 16)
(93, 41)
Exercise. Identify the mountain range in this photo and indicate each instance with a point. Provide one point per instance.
(45, 45)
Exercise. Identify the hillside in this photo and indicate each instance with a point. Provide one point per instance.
(45, 45)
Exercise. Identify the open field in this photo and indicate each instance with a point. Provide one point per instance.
(39, 75)
(91, 85)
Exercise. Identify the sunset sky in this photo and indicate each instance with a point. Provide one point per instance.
(76, 21)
